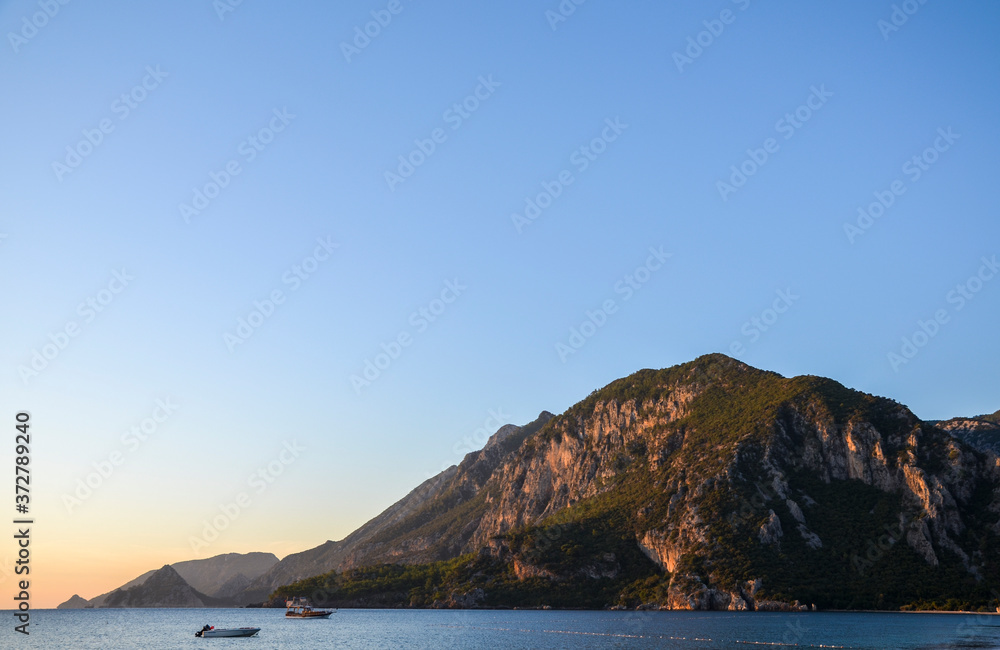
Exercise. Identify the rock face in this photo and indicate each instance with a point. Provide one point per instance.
(747, 490)
(165, 588)
(981, 432)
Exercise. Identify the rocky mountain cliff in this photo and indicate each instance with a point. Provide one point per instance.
(981, 432)
(710, 485)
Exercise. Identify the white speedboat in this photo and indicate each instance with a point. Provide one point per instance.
(209, 631)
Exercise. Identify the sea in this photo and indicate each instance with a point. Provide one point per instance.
(496, 629)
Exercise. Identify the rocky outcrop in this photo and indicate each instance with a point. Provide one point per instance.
(981, 433)
(688, 592)
(770, 532)
(858, 450)
(656, 547)
(471, 599)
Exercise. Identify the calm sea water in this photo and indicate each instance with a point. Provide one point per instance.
(360, 628)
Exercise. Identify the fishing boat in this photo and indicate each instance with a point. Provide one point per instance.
(299, 607)
(210, 631)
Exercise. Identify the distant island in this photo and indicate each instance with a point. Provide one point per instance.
(710, 485)
(213, 582)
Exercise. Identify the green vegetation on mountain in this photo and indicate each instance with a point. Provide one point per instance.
(992, 417)
(709, 485)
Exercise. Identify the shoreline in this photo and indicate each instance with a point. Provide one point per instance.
(555, 609)
(912, 611)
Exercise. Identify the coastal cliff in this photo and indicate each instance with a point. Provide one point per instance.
(709, 485)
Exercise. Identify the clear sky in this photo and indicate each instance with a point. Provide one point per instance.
(177, 163)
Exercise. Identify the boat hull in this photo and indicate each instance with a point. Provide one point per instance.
(299, 607)
(240, 631)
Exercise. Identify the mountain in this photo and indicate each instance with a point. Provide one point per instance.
(981, 432)
(165, 588)
(74, 603)
(221, 577)
(225, 575)
(708, 485)
(447, 490)
(98, 601)
(292, 567)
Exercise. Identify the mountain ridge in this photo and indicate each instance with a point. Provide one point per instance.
(165, 588)
(706, 485)
(352, 549)
(220, 578)
(725, 478)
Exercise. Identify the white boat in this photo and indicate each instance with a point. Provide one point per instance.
(211, 632)
(299, 607)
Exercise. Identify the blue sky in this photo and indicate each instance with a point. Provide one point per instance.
(546, 89)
